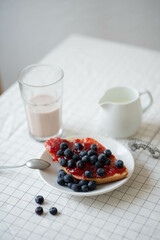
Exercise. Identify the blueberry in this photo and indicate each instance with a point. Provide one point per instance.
(107, 161)
(76, 181)
(119, 164)
(68, 153)
(75, 187)
(92, 185)
(92, 152)
(63, 162)
(69, 184)
(76, 157)
(68, 178)
(94, 147)
(39, 199)
(84, 188)
(108, 153)
(80, 164)
(101, 172)
(61, 173)
(63, 146)
(83, 153)
(102, 158)
(98, 164)
(83, 182)
(60, 153)
(61, 181)
(39, 210)
(93, 159)
(71, 163)
(88, 174)
(53, 210)
(85, 158)
(78, 146)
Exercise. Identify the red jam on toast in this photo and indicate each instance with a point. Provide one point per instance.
(104, 167)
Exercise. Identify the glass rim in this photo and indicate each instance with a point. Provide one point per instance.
(40, 65)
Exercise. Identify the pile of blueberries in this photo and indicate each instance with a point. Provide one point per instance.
(65, 179)
(39, 210)
(80, 159)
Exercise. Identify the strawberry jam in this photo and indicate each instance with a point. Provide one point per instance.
(53, 146)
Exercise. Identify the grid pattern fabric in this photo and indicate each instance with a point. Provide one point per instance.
(129, 212)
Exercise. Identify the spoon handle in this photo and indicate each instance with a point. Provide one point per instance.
(5, 167)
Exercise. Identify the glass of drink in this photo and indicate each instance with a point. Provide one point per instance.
(41, 90)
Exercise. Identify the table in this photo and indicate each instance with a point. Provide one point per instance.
(130, 212)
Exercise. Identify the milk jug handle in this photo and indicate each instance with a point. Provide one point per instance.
(150, 99)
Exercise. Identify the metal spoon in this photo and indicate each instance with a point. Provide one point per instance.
(33, 163)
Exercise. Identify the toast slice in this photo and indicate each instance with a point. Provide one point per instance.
(112, 173)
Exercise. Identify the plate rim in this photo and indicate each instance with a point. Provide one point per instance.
(92, 193)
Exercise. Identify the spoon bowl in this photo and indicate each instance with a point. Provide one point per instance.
(37, 164)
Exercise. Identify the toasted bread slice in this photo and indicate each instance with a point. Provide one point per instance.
(112, 173)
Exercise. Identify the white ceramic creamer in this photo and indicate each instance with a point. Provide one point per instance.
(121, 111)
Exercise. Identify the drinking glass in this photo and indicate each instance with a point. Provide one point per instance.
(41, 90)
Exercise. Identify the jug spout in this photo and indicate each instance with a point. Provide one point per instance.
(110, 97)
(104, 101)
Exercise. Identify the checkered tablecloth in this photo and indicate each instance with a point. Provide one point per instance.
(130, 212)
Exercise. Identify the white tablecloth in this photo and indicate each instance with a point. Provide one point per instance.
(130, 212)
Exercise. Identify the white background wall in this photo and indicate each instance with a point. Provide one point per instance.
(31, 28)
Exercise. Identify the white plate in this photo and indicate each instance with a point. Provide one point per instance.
(50, 174)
